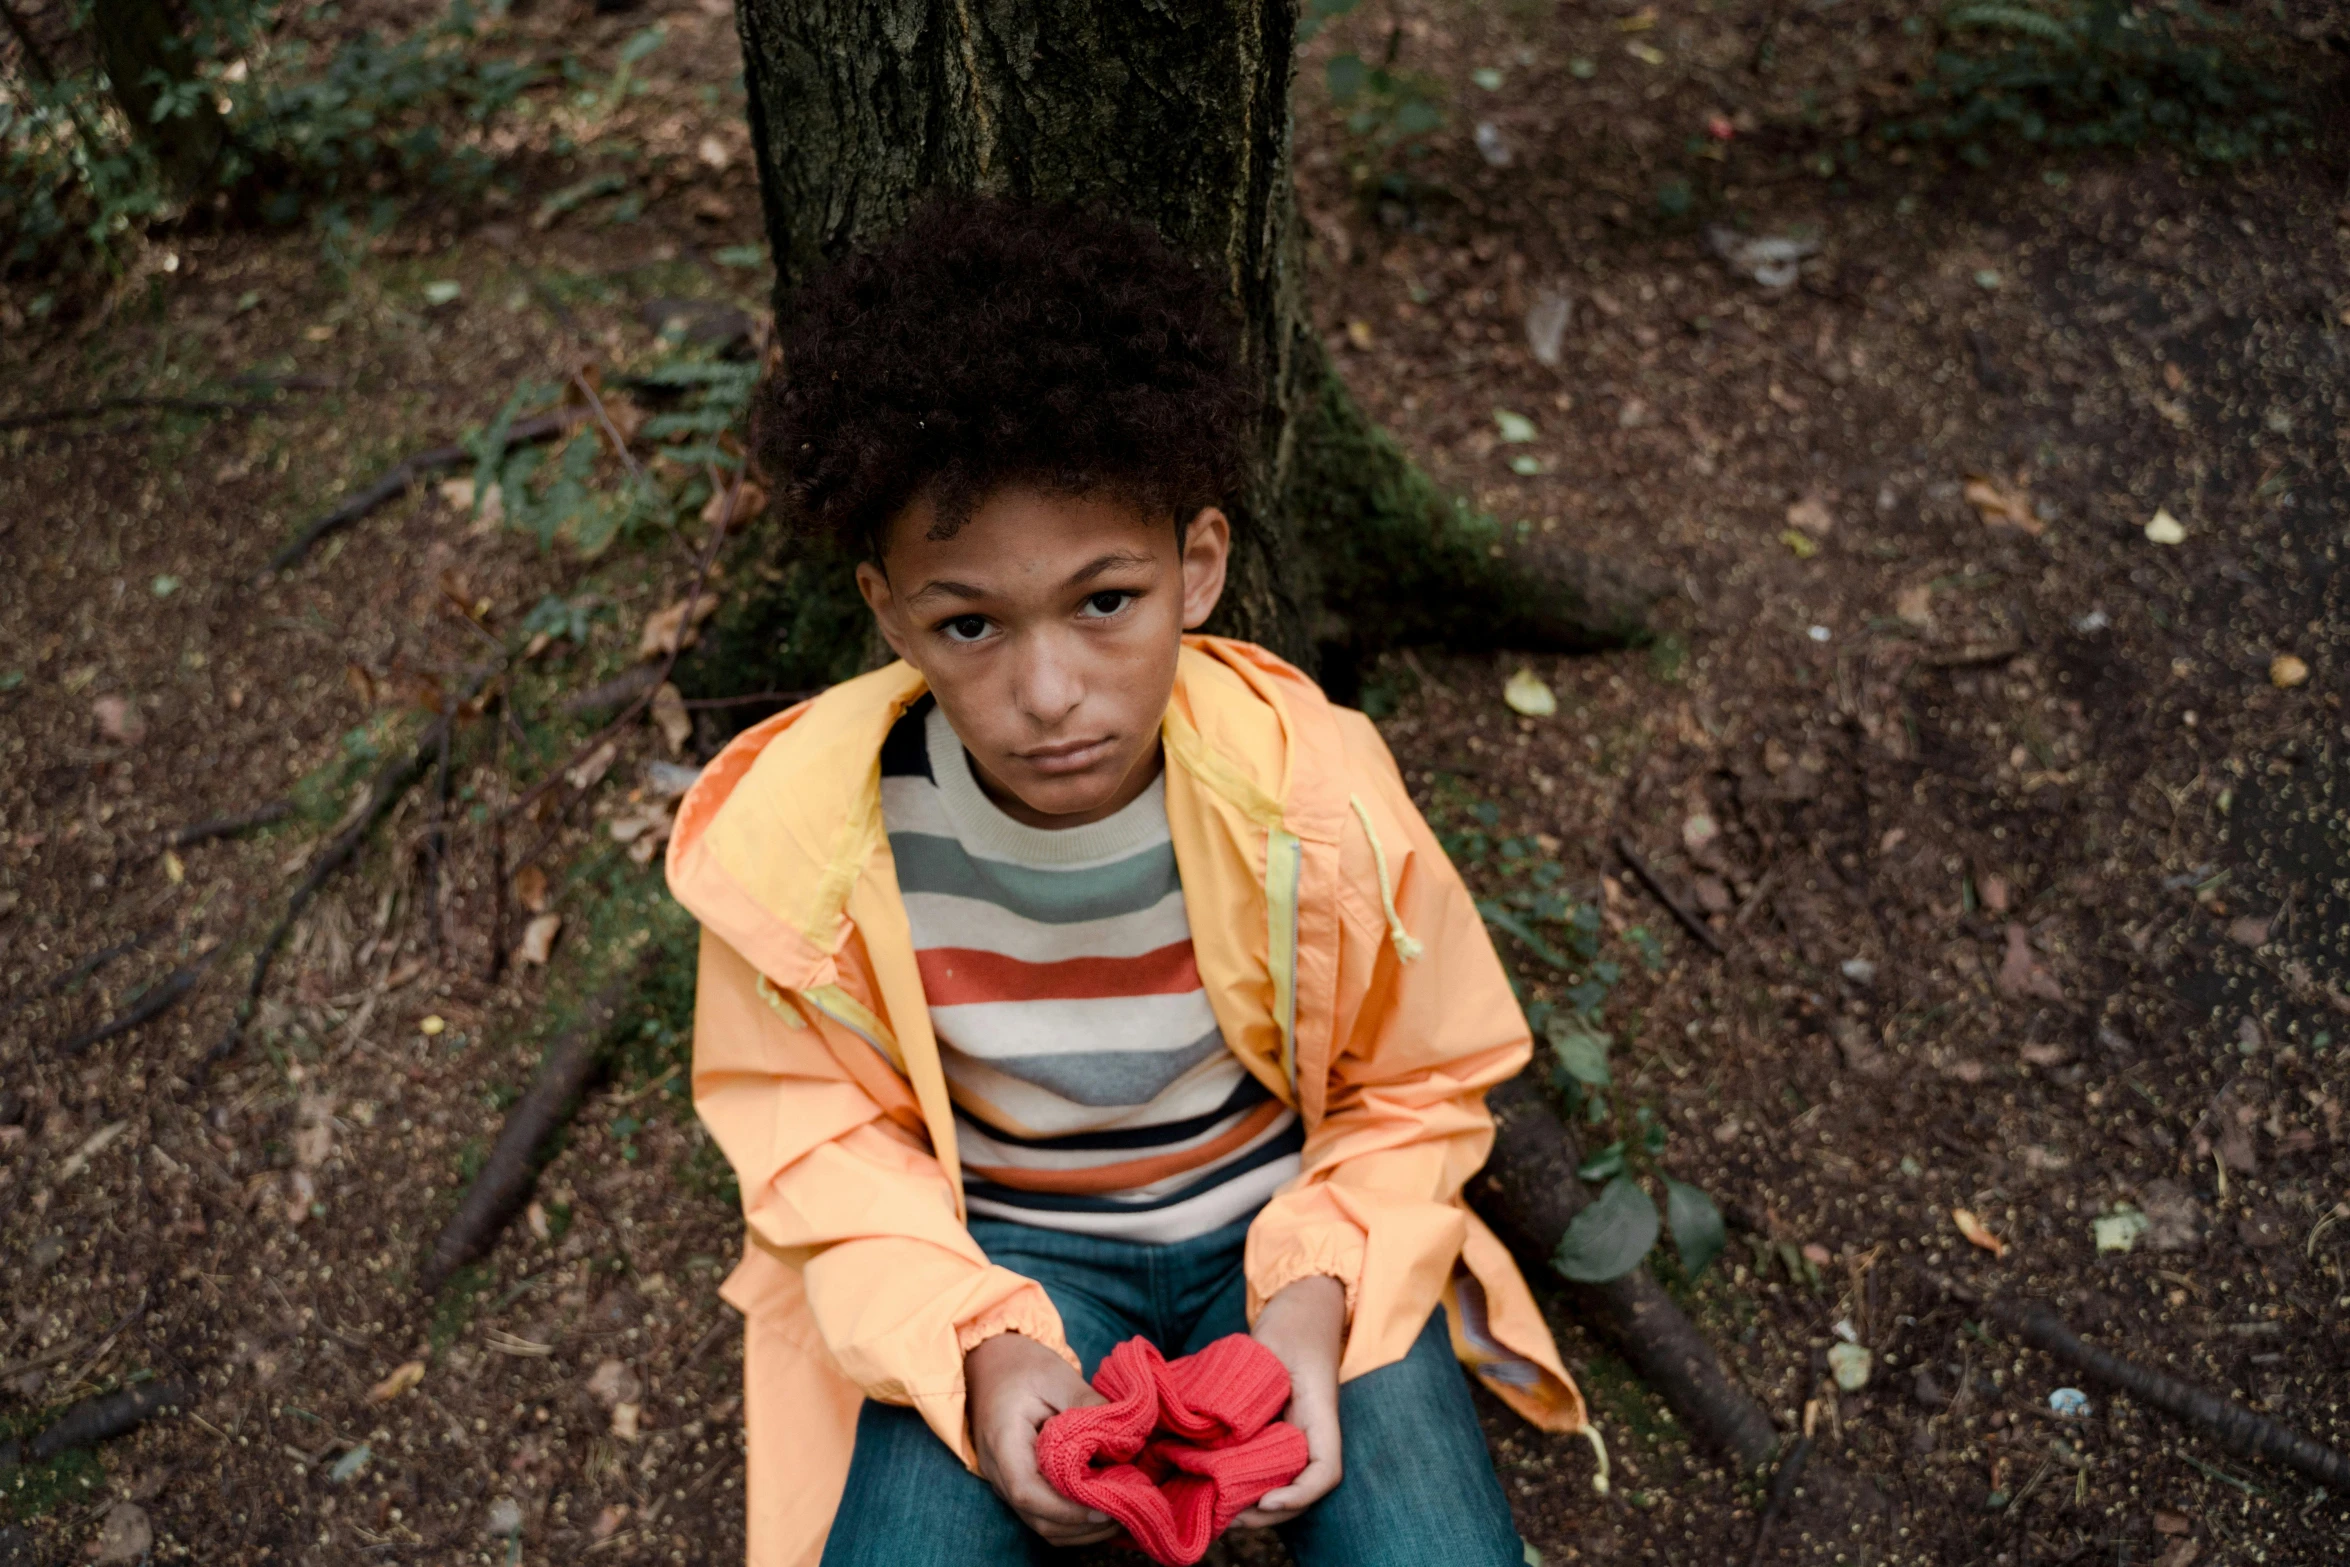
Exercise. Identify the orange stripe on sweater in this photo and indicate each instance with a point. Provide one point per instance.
(959, 976)
(1127, 1174)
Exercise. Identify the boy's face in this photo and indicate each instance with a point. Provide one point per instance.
(1048, 627)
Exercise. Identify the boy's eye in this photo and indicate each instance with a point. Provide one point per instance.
(1109, 601)
(965, 628)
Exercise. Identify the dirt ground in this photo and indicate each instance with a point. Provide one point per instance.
(2026, 853)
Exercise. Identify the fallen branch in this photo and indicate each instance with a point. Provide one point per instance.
(395, 483)
(2235, 1426)
(511, 1169)
(153, 1002)
(391, 781)
(98, 1419)
(1529, 1194)
(1664, 895)
(228, 826)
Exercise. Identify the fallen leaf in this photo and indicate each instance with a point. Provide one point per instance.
(668, 780)
(669, 629)
(624, 1421)
(1699, 831)
(713, 153)
(2182, 1553)
(2163, 528)
(1546, 327)
(92, 1146)
(536, 1217)
(2285, 672)
(612, 1384)
(2021, 973)
(2120, 1229)
(1515, 429)
(1526, 693)
(2002, 508)
(1358, 334)
(1977, 1232)
(174, 868)
(2166, 1522)
(1646, 54)
(1915, 606)
(591, 772)
(750, 503)
(120, 720)
(400, 1381)
(2249, 930)
(314, 1130)
(301, 1195)
(671, 718)
(608, 1522)
(1994, 891)
(1817, 1255)
(1812, 516)
(2174, 1220)
(1803, 545)
(538, 941)
(1850, 1364)
(530, 888)
(457, 493)
(124, 1535)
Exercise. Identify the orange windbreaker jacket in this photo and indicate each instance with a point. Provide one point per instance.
(1346, 965)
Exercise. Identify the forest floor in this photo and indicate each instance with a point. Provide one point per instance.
(2025, 852)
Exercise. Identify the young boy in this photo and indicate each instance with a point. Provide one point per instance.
(1072, 978)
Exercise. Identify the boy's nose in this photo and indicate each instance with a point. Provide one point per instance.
(1048, 686)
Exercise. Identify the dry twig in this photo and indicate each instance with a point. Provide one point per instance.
(1664, 895)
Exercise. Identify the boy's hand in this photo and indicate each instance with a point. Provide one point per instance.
(1305, 1327)
(1012, 1385)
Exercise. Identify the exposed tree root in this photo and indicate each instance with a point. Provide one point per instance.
(395, 483)
(391, 781)
(1529, 1194)
(1784, 1479)
(2234, 1425)
(512, 1167)
(98, 1419)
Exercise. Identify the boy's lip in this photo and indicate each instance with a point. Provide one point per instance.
(1069, 757)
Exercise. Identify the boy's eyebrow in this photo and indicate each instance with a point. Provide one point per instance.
(941, 587)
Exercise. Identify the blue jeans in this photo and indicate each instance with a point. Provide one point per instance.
(1419, 1488)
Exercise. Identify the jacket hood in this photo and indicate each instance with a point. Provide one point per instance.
(774, 835)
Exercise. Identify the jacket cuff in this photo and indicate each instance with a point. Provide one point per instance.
(1336, 1252)
(1027, 1311)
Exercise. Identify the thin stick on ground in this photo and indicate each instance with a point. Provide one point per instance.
(108, 405)
(2235, 1426)
(507, 1175)
(1783, 1482)
(153, 1002)
(396, 482)
(97, 1419)
(228, 826)
(81, 970)
(1688, 917)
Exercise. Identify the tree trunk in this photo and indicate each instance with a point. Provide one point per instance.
(145, 59)
(1178, 115)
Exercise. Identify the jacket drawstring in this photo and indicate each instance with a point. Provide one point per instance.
(1407, 947)
(1598, 1451)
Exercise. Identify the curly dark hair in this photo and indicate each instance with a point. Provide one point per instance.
(992, 342)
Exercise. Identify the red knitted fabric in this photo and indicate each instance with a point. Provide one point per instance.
(1181, 1449)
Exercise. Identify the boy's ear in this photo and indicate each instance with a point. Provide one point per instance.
(873, 583)
(1207, 551)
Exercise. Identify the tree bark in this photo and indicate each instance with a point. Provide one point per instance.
(145, 57)
(1178, 115)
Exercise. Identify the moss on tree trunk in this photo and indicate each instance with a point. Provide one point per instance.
(1178, 115)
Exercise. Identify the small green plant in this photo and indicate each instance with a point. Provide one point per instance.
(2094, 73)
(1531, 906)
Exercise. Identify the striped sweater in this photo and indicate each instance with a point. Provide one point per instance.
(1093, 1091)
